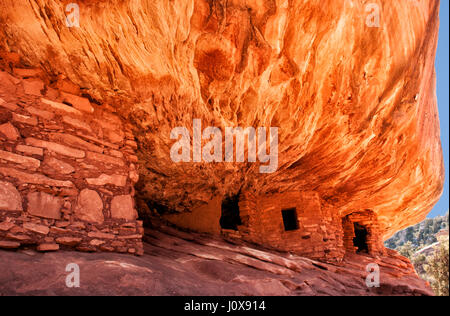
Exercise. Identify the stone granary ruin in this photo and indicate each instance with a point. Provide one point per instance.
(297, 222)
(67, 168)
(86, 113)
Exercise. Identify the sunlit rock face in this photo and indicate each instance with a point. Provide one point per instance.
(354, 103)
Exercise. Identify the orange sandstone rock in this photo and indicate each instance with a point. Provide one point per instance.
(9, 131)
(355, 104)
(89, 206)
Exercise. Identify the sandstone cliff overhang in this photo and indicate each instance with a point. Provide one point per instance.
(355, 104)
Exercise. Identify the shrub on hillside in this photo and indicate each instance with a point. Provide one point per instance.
(438, 269)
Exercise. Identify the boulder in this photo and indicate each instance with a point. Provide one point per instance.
(47, 247)
(36, 228)
(33, 86)
(44, 205)
(9, 244)
(9, 131)
(10, 199)
(89, 206)
(122, 207)
(59, 166)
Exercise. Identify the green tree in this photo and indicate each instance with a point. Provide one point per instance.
(419, 262)
(410, 233)
(438, 269)
(406, 250)
(436, 226)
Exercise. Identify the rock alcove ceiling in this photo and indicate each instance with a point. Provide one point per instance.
(355, 105)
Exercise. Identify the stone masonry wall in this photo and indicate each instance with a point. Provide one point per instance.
(67, 167)
(368, 219)
(319, 234)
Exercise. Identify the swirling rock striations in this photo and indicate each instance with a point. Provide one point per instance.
(354, 103)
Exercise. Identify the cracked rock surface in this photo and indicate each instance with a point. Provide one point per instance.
(181, 263)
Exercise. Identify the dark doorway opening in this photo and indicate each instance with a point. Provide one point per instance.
(360, 240)
(230, 218)
(151, 211)
(290, 219)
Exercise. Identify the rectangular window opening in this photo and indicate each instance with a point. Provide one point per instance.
(290, 219)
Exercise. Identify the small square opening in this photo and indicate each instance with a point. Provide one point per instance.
(290, 219)
(360, 240)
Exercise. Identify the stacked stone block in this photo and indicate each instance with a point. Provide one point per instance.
(319, 233)
(67, 167)
(322, 234)
(369, 220)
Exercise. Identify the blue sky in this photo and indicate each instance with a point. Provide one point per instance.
(442, 68)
